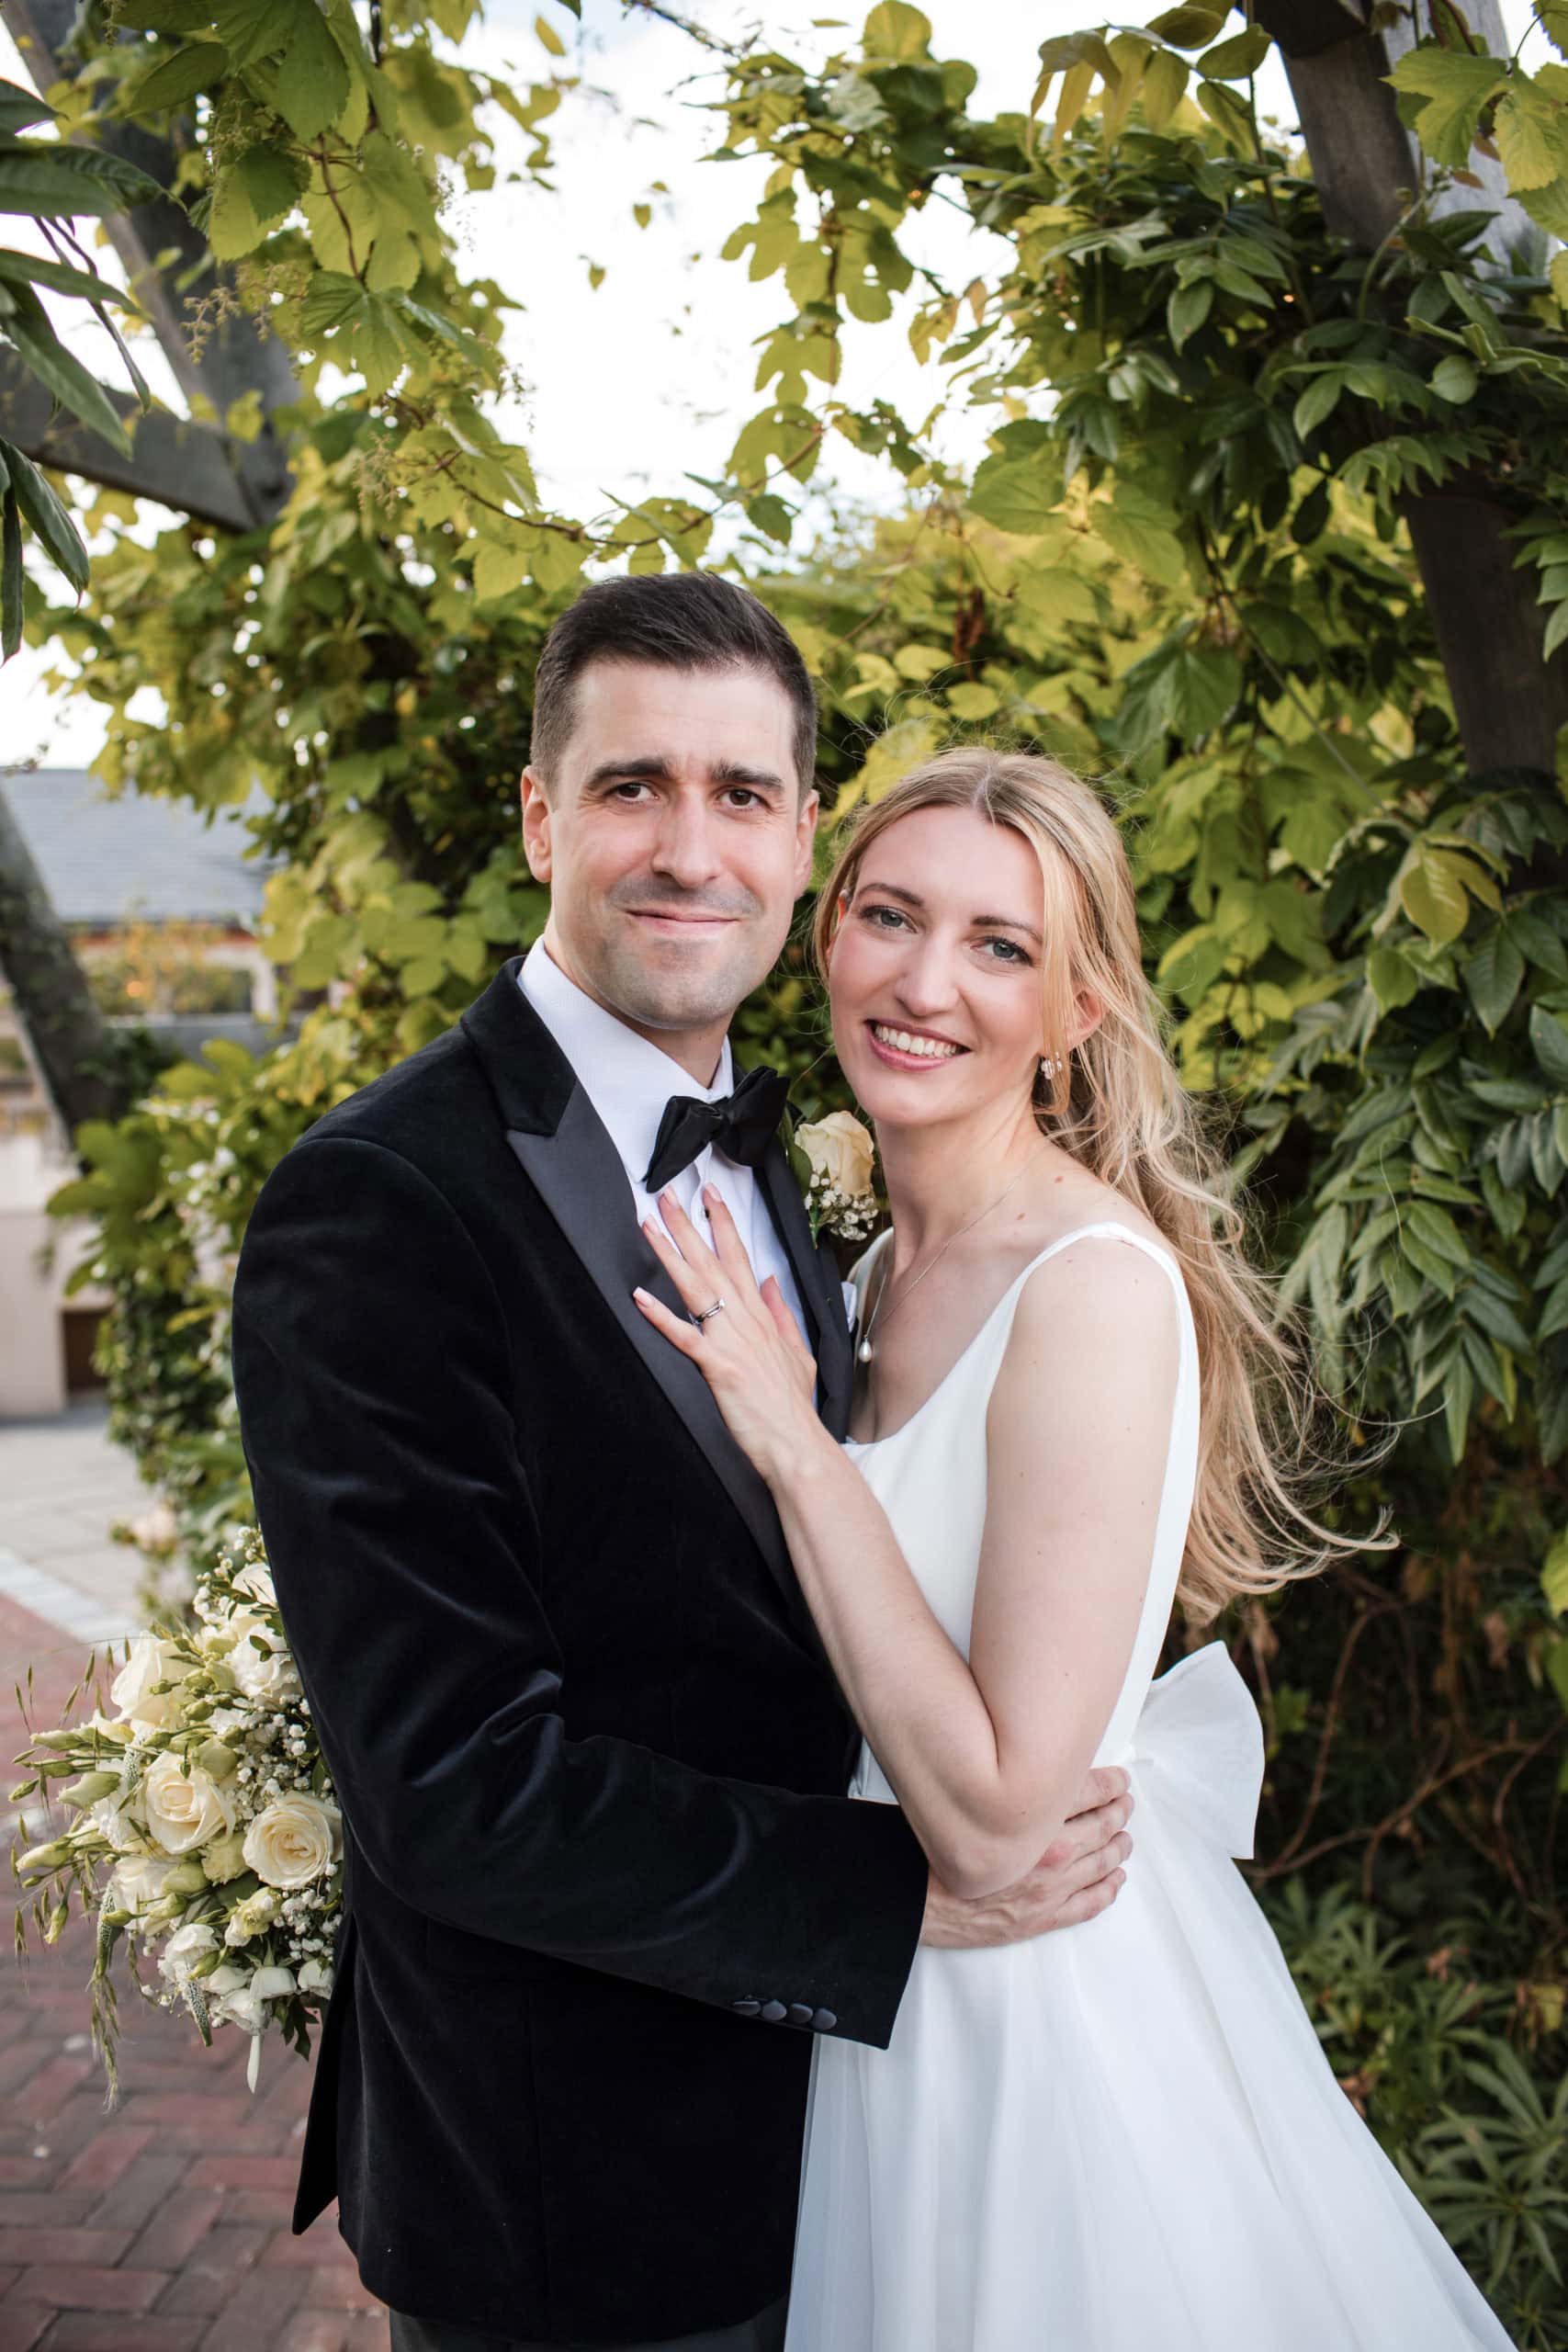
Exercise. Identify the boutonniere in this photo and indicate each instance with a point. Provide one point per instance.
(833, 1159)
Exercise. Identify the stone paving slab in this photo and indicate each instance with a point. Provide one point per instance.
(62, 1486)
(162, 2227)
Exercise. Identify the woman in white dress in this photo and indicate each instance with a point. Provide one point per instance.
(1073, 1411)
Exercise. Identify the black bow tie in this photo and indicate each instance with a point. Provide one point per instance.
(741, 1125)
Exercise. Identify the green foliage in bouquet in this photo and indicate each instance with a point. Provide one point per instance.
(203, 1831)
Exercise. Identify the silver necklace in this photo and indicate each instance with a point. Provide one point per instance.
(865, 1353)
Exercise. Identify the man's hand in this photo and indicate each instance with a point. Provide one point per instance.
(1076, 1877)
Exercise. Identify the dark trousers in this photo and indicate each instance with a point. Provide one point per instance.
(763, 2334)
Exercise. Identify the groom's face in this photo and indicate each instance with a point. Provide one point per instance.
(675, 839)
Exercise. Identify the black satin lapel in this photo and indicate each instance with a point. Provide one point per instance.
(579, 1176)
(821, 1294)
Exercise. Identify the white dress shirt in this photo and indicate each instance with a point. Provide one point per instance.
(628, 1081)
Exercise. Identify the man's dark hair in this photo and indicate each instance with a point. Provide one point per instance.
(678, 621)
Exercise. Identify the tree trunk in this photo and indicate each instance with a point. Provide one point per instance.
(81, 1057)
(1508, 701)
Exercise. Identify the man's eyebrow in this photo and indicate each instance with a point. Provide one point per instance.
(981, 922)
(737, 772)
(652, 767)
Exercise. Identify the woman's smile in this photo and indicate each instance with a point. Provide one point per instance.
(906, 1049)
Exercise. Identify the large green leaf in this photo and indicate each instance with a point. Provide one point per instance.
(10, 563)
(1165, 81)
(1188, 26)
(31, 269)
(313, 77)
(1450, 91)
(18, 108)
(1433, 894)
(1493, 976)
(56, 182)
(1188, 307)
(48, 517)
(895, 31)
(1550, 1040)
(174, 79)
(1016, 494)
(62, 372)
(253, 29)
(1237, 59)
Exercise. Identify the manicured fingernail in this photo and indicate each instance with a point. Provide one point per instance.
(637, 1291)
(710, 1192)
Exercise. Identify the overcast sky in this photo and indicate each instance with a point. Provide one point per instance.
(631, 386)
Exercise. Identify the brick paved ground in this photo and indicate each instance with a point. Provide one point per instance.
(162, 2227)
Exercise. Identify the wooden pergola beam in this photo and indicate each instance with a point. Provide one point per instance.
(193, 468)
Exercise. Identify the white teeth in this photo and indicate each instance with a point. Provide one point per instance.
(927, 1048)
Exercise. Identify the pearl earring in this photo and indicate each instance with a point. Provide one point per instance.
(1047, 1067)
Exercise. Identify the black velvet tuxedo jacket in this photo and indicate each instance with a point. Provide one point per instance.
(603, 1883)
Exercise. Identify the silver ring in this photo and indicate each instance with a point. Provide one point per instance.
(709, 1312)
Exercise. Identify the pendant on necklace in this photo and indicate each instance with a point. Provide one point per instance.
(864, 1352)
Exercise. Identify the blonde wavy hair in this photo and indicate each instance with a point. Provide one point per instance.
(1117, 1105)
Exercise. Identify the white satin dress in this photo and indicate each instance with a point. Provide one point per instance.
(1120, 2137)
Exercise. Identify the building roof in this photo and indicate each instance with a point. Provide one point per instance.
(137, 858)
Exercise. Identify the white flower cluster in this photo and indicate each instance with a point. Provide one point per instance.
(206, 1830)
(851, 1217)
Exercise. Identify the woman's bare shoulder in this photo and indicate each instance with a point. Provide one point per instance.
(1066, 1203)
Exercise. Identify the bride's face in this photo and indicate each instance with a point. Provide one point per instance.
(934, 971)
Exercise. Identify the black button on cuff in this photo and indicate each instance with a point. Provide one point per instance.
(774, 2012)
(747, 2008)
(824, 2021)
(800, 2013)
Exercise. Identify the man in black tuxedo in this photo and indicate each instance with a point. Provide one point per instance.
(602, 1884)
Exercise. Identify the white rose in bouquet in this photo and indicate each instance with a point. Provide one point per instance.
(243, 2007)
(139, 1882)
(185, 1947)
(296, 1839)
(152, 1660)
(316, 1976)
(252, 1918)
(255, 1578)
(111, 1817)
(185, 1807)
(268, 1678)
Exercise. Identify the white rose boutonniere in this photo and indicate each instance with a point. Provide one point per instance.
(834, 1159)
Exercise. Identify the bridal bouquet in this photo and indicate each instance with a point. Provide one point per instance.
(203, 1832)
